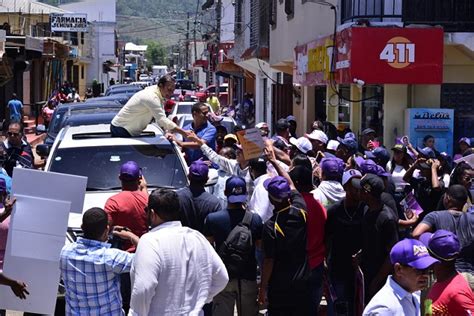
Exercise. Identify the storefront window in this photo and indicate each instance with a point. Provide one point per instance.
(372, 109)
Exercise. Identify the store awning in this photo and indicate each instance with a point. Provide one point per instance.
(228, 69)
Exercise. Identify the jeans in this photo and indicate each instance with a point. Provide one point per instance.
(125, 291)
(118, 131)
(316, 286)
(244, 295)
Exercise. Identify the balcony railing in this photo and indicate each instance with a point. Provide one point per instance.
(371, 10)
(453, 15)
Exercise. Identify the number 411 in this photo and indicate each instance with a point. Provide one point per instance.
(405, 53)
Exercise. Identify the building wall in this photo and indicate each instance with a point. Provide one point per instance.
(227, 21)
(310, 21)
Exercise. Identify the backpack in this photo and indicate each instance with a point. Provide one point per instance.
(237, 249)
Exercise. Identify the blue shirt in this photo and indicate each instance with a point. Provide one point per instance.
(15, 107)
(91, 272)
(206, 132)
(393, 300)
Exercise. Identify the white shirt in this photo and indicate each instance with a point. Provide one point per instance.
(259, 202)
(397, 176)
(175, 272)
(393, 300)
(140, 109)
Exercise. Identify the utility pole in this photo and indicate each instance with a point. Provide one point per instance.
(218, 41)
(187, 41)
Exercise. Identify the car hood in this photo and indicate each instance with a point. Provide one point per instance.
(92, 199)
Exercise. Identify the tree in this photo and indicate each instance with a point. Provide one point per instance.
(155, 53)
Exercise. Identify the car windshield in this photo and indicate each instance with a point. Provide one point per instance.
(184, 109)
(185, 84)
(160, 165)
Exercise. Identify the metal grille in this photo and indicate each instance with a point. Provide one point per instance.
(254, 22)
(371, 10)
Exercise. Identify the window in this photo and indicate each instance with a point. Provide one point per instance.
(74, 39)
(290, 8)
(254, 15)
(273, 13)
(82, 72)
(344, 111)
(238, 17)
(82, 38)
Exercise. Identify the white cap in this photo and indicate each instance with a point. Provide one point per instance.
(303, 144)
(349, 174)
(318, 135)
(332, 144)
(261, 125)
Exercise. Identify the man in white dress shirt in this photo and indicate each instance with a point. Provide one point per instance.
(176, 270)
(400, 295)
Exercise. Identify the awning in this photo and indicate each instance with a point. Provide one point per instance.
(228, 69)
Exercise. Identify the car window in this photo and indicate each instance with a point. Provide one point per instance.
(56, 121)
(160, 165)
(184, 109)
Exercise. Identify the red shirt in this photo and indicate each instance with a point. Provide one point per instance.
(452, 297)
(315, 227)
(127, 209)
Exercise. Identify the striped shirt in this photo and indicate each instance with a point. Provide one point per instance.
(91, 270)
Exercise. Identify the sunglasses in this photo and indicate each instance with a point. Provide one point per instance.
(13, 134)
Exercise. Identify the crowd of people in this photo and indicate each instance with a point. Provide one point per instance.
(322, 215)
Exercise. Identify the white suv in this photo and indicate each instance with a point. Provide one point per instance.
(90, 151)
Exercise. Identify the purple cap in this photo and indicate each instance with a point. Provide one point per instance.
(130, 171)
(277, 187)
(368, 166)
(350, 135)
(290, 118)
(332, 167)
(442, 244)
(426, 152)
(198, 170)
(378, 153)
(350, 143)
(465, 140)
(236, 190)
(413, 253)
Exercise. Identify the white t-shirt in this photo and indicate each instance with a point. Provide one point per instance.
(397, 176)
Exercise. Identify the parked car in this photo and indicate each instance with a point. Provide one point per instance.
(120, 98)
(90, 151)
(62, 109)
(121, 89)
(185, 84)
(223, 93)
(182, 108)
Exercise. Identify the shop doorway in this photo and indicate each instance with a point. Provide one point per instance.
(460, 97)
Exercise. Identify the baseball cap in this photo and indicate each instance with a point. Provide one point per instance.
(350, 135)
(303, 144)
(332, 145)
(367, 166)
(130, 171)
(378, 153)
(370, 183)
(198, 170)
(400, 147)
(282, 124)
(350, 143)
(236, 190)
(318, 135)
(426, 152)
(413, 253)
(261, 125)
(349, 175)
(442, 244)
(368, 131)
(231, 136)
(277, 187)
(332, 167)
(465, 140)
(290, 118)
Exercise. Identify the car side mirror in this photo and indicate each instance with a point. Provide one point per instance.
(43, 150)
(40, 129)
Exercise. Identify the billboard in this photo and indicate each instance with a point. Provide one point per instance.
(68, 22)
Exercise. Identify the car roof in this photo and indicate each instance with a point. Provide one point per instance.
(120, 97)
(99, 135)
(89, 118)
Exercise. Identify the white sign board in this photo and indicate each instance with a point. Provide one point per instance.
(68, 22)
(37, 234)
(41, 184)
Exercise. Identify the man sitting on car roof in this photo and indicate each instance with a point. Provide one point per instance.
(142, 107)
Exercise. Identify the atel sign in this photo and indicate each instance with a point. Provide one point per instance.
(394, 55)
